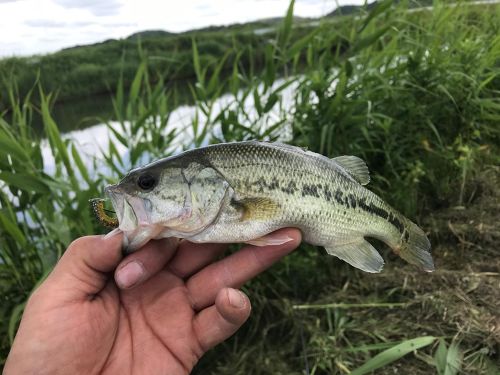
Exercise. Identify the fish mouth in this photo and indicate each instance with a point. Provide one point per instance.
(130, 211)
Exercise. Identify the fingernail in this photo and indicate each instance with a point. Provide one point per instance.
(113, 233)
(130, 274)
(236, 298)
(279, 239)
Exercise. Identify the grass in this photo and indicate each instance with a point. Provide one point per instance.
(414, 94)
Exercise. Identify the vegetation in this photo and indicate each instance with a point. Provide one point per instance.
(415, 94)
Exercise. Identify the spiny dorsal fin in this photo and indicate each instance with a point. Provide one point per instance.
(257, 208)
(358, 254)
(355, 166)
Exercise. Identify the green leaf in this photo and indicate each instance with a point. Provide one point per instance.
(270, 66)
(26, 182)
(196, 63)
(124, 141)
(58, 147)
(136, 83)
(11, 228)
(369, 40)
(440, 357)
(300, 44)
(286, 27)
(79, 164)
(453, 360)
(9, 145)
(393, 354)
(214, 86)
(256, 101)
(271, 101)
(15, 318)
(381, 7)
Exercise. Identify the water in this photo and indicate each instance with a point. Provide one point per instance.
(79, 114)
(93, 110)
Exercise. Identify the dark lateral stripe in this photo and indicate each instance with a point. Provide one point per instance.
(339, 196)
(379, 211)
(363, 205)
(328, 193)
(406, 235)
(311, 190)
(396, 222)
(352, 200)
(290, 188)
(274, 184)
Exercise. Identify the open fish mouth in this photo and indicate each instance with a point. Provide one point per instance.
(130, 211)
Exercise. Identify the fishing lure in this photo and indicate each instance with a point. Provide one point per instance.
(101, 213)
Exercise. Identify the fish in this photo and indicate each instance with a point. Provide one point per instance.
(240, 192)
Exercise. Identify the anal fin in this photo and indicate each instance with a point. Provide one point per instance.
(360, 254)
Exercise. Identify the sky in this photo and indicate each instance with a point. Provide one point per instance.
(30, 27)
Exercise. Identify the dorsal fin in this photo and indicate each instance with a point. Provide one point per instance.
(355, 166)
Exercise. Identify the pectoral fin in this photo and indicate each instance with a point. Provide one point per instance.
(259, 209)
(359, 254)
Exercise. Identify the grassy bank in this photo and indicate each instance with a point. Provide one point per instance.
(416, 95)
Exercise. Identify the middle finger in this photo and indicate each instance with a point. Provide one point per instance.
(191, 257)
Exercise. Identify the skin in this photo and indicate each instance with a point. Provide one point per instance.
(157, 311)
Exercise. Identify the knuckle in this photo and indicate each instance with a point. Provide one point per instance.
(78, 243)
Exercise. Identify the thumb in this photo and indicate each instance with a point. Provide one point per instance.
(85, 267)
(220, 321)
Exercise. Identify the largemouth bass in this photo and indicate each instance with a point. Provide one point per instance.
(242, 191)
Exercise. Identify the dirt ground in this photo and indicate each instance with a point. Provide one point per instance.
(460, 301)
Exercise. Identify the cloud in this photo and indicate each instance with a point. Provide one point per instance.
(44, 23)
(120, 24)
(96, 7)
(56, 24)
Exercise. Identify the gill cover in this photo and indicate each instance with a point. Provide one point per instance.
(208, 191)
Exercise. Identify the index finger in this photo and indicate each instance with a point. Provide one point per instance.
(237, 269)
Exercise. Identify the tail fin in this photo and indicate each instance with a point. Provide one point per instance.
(415, 247)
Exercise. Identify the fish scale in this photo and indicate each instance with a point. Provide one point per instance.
(242, 191)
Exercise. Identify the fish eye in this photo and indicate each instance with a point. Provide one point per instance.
(146, 182)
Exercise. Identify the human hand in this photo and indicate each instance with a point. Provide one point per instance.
(173, 304)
